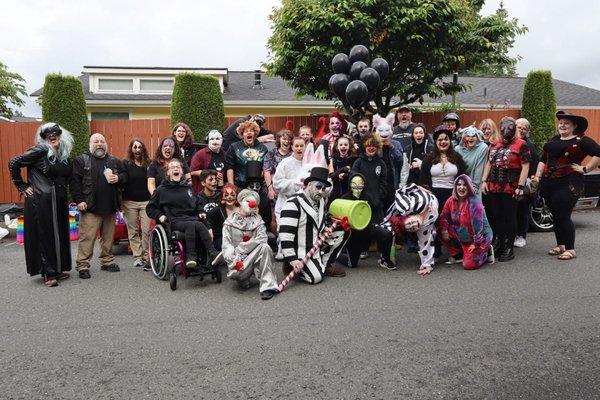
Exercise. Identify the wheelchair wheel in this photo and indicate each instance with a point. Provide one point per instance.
(159, 252)
(173, 281)
(217, 274)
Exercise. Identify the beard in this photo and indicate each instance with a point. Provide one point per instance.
(99, 153)
(403, 124)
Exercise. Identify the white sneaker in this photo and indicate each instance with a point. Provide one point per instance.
(491, 257)
(451, 260)
(364, 255)
(520, 241)
(138, 262)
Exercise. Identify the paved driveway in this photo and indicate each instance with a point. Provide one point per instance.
(524, 329)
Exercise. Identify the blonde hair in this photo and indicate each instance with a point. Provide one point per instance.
(495, 135)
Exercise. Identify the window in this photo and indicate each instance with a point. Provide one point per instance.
(156, 85)
(125, 85)
(109, 115)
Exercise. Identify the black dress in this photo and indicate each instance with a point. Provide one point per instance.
(47, 242)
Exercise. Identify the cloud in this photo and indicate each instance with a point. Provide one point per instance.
(43, 36)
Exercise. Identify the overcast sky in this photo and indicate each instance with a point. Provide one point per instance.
(42, 36)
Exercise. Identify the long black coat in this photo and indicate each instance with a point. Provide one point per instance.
(47, 242)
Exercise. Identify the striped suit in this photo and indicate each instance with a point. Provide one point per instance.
(413, 200)
(299, 229)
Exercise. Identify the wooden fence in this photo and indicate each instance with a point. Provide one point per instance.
(16, 137)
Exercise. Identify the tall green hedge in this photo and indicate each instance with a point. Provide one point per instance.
(63, 102)
(539, 106)
(197, 101)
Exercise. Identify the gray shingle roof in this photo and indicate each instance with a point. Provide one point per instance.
(482, 92)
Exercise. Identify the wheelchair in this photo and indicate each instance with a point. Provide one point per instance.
(164, 245)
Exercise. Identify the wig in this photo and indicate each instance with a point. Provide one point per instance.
(65, 143)
(247, 126)
(228, 187)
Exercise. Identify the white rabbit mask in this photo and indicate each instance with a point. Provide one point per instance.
(383, 126)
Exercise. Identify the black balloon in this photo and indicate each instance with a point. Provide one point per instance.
(381, 66)
(341, 63)
(356, 68)
(338, 84)
(359, 53)
(370, 77)
(356, 93)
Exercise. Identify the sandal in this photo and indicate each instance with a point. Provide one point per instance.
(555, 251)
(567, 255)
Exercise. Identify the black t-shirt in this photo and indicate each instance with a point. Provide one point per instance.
(105, 196)
(208, 203)
(136, 188)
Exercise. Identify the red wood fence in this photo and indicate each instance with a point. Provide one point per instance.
(16, 137)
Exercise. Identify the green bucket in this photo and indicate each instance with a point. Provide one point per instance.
(357, 211)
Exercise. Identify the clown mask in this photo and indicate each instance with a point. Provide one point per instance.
(249, 201)
(357, 184)
(215, 140)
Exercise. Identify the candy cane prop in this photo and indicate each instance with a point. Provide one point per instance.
(343, 222)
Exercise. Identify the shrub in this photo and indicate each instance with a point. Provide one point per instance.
(197, 101)
(539, 106)
(63, 102)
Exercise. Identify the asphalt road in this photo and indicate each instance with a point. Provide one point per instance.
(526, 329)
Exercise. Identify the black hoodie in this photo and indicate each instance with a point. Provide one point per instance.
(374, 171)
(176, 200)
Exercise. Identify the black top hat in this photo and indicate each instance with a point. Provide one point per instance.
(253, 170)
(318, 174)
(581, 122)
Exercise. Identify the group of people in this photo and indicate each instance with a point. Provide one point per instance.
(250, 196)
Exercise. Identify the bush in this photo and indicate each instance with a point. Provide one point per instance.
(63, 102)
(197, 101)
(539, 106)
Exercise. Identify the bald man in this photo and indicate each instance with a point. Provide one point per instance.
(96, 175)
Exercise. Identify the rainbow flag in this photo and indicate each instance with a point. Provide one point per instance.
(20, 229)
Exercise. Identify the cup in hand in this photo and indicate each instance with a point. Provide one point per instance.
(107, 174)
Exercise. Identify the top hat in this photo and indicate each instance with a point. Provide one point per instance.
(253, 170)
(319, 174)
(581, 122)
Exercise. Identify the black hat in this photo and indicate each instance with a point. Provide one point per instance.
(439, 130)
(253, 170)
(581, 122)
(47, 129)
(318, 174)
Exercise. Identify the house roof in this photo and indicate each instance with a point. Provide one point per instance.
(482, 92)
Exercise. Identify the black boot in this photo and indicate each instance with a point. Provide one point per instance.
(507, 253)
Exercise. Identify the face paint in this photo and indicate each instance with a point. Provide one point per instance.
(215, 140)
(335, 125)
(249, 205)
(356, 186)
(229, 197)
(461, 189)
(412, 224)
(315, 191)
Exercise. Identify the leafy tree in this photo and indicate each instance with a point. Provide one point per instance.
(198, 102)
(539, 106)
(11, 88)
(63, 102)
(422, 40)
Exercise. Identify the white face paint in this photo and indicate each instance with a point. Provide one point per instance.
(215, 140)
(315, 191)
(249, 205)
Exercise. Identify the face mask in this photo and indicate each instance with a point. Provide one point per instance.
(249, 205)
(508, 130)
(215, 140)
(356, 186)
